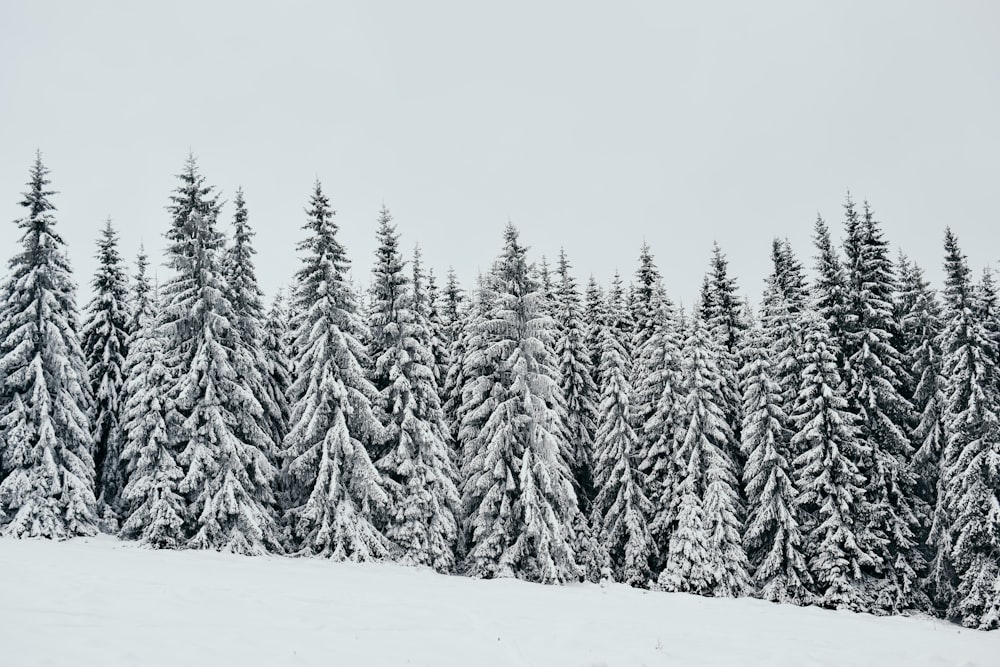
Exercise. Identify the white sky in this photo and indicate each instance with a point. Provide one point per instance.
(590, 125)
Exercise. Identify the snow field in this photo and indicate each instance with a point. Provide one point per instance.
(100, 601)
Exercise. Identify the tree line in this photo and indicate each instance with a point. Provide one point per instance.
(837, 446)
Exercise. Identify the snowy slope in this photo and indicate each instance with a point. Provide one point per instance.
(103, 602)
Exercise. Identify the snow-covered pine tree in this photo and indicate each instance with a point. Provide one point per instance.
(966, 527)
(440, 347)
(874, 382)
(518, 495)
(830, 288)
(577, 384)
(706, 554)
(785, 297)
(722, 311)
(921, 323)
(621, 509)
(418, 461)
(831, 491)
(595, 317)
(105, 346)
(773, 537)
(215, 419)
(46, 461)
(619, 318)
(277, 372)
(250, 361)
(152, 506)
(337, 497)
(453, 310)
(656, 401)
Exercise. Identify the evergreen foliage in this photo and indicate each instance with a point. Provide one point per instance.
(337, 498)
(518, 496)
(417, 464)
(215, 419)
(105, 347)
(773, 537)
(46, 464)
(577, 384)
(830, 485)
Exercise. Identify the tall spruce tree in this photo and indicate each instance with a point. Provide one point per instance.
(105, 346)
(773, 537)
(215, 419)
(831, 492)
(656, 401)
(337, 497)
(518, 494)
(966, 527)
(921, 323)
(576, 382)
(453, 310)
(723, 309)
(250, 361)
(621, 509)
(874, 381)
(706, 554)
(418, 461)
(830, 289)
(46, 462)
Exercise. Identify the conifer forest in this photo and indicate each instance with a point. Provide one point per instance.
(836, 443)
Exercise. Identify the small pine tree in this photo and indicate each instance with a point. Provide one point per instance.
(46, 463)
(105, 346)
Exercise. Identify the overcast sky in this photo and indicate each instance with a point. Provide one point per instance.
(589, 125)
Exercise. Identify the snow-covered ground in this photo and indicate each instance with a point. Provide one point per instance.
(103, 602)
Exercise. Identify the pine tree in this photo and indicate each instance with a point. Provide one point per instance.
(595, 317)
(920, 320)
(656, 404)
(454, 331)
(722, 309)
(621, 509)
(337, 497)
(250, 361)
(418, 461)
(831, 284)
(46, 465)
(440, 345)
(966, 528)
(785, 297)
(874, 382)
(215, 418)
(706, 554)
(773, 537)
(577, 384)
(830, 487)
(105, 346)
(153, 508)
(518, 494)
(277, 372)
